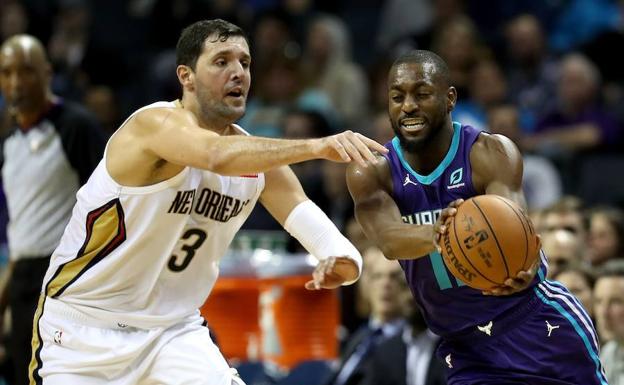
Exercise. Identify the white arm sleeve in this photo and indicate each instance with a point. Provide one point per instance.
(318, 234)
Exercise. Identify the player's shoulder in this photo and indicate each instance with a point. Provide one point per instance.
(159, 115)
(493, 156)
(374, 174)
(494, 145)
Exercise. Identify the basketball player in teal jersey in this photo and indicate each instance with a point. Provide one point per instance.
(529, 331)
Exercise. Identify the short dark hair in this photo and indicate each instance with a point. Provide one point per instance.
(615, 218)
(423, 56)
(192, 38)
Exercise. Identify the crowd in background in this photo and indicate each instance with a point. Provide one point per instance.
(544, 73)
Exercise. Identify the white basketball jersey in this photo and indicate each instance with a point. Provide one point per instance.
(148, 256)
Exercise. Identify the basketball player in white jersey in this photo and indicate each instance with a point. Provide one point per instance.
(141, 252)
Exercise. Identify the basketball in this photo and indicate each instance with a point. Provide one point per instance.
(487, 241)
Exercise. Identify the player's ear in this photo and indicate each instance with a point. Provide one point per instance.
(186, 77)
(451, 99)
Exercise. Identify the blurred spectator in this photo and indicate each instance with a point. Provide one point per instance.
(540, 179)
(278, 88)
(13, 19)
(458, 43)
(272, 37)
(300, 13)
(566, 214)
(68, 47)
(579, 122)
(609, 306)
(581, 20)
(390, 302)
(378, 80)
(606, 235)
(52, 150)
(532, 73)
(563, 250)
(102, 102)
(380, 128)
(328, 67)
(487, 87)
(408, 358)
(580, 282)
(404, 22)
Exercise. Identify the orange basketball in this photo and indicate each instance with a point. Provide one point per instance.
(488, 240)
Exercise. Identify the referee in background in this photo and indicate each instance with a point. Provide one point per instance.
(50, 151)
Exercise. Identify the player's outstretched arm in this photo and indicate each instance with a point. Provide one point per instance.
(339, 261)
(173, 135)
(379, 216)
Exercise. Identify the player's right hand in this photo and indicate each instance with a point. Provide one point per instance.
(332, 272)
(348, 146)
(440, 227)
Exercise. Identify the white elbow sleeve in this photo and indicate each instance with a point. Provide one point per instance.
(318, 234)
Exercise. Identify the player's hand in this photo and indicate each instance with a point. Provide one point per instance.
(440, 227)
(348, 146)
(332, 272)
(522, 280)
(516, 284)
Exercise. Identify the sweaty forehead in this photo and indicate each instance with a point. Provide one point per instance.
(412, 73)
(234, 44)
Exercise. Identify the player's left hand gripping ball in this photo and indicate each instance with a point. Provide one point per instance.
(516, 284)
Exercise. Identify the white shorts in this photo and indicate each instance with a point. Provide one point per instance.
(72, 348)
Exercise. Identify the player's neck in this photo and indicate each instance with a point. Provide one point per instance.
(209, 123)
(431, 155)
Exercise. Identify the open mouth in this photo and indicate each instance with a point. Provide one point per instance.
(235, 93)
(413, 125)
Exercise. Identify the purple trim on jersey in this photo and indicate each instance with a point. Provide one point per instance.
(449, 307)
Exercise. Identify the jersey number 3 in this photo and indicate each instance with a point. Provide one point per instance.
(178, 264)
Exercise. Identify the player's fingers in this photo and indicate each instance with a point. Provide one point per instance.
(524, 277)
(447, 212)
(351, 150)
(372, 144)
(436, 242)
(329, 265)
(514, 283)
(363, 149)
(456, 202)
(311, 285)
(339, 148)
(500, 291)
(318, 276)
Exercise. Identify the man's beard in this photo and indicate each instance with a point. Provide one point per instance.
(220, 111)
(412, 146)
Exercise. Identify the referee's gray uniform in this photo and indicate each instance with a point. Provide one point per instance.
(42, 168)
